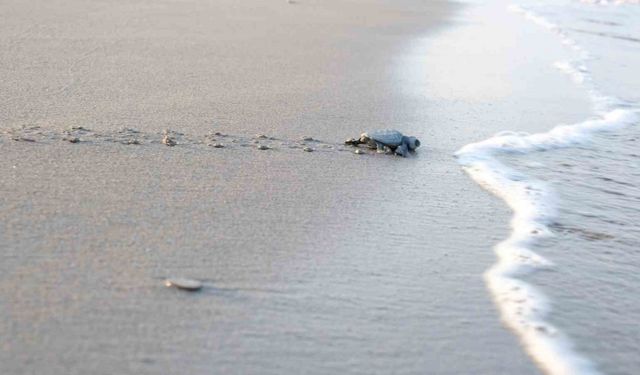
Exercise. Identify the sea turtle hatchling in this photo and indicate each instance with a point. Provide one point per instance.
(386, 140)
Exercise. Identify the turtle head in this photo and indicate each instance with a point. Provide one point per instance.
(414, 143)
(411, 142)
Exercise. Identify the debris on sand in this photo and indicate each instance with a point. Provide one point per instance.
(72, 139)
(183, 284)
(22, 139)
(168, 140)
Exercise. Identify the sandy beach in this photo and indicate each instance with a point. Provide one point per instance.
(313, 262)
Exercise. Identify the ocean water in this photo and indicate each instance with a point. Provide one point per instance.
(566, 278)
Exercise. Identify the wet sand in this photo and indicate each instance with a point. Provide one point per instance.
(321, 262)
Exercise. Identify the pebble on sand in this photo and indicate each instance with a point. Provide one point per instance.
(308, 149)
(184, 284)
(217, 145)
(263, 147)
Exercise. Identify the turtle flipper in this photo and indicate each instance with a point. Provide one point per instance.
(402, 150)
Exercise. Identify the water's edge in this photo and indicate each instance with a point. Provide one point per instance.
(523, 307)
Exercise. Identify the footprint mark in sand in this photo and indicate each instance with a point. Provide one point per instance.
(170, 138)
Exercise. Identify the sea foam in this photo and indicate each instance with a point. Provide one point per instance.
(523, 307)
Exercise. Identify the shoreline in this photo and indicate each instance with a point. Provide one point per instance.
(523, 299)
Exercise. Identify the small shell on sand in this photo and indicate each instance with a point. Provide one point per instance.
(263, 147)
(358, 151)
(308, 149)
(184, 284)
(217, 145)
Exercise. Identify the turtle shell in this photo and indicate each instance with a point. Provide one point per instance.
(387, 137)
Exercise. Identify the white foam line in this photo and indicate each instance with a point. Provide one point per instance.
(524, 308)
(607, 2)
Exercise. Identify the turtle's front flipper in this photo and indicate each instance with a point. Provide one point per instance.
(402, 150)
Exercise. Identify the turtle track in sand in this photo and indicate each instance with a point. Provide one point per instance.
(133, 137)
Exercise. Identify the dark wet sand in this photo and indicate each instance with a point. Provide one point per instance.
(316, 263)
